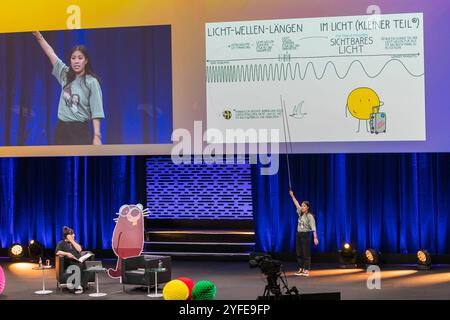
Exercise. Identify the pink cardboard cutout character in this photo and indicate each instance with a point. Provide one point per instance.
(128, 235)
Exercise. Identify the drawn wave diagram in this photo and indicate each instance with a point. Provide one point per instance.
(284, 71)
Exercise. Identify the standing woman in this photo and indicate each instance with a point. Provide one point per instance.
(306, 225)
(81, 97)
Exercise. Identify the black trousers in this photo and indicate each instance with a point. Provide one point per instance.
(303, 249)
(72, 133)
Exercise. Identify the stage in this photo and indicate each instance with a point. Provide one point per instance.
(237, 281)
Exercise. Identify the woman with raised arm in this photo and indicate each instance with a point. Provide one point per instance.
(81, 97)
(306, 225)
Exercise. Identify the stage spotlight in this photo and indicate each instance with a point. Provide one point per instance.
(16, 251)
(35, 250)
(347, 249)
(347, 256)
(423, 260)
(371, 257)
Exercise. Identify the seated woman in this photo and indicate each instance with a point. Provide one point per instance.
(71, 251)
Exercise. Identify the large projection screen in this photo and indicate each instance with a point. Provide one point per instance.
(403, 64)
(338, 79)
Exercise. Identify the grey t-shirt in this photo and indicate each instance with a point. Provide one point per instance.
(79, 101)
(306, 222)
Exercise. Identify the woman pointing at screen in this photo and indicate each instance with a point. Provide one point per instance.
(81, 97)
(306, 226)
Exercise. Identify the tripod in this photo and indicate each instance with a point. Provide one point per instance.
(273, 286)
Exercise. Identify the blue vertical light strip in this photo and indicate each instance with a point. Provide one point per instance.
(87, 236)
(118, 183)
(261, 210)
(383, 205)
(35, 206)
(11, 198)
(340, 199)
(357, 226)
(275, 213)
(374, 198)
(331, 205)
(26, 205)
(76, 175)
(7, 234)
(432, 172)
(427, 199)
(40, 204)
(63, 180)
(320, 203)
(364, 231)
(66, 179)
(92, 196)
(103, 188)
(403, 207)
(411, 203)
(443, 202)
(414, 239)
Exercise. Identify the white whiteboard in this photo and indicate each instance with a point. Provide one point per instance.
(319, 68)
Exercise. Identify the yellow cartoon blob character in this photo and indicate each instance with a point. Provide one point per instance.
(362, 102)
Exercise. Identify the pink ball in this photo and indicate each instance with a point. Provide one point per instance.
(189, 283)
(2, 280)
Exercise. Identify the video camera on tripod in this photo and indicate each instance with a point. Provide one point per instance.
(265, 262)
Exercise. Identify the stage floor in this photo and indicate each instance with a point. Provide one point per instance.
(237, 281)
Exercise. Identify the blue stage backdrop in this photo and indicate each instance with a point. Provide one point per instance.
(38, 196)
(135, 70)
(396, 203)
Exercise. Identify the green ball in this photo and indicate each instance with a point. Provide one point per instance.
(204, 290)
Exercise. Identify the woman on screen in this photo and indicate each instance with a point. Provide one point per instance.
(306, 225)
(81, 97)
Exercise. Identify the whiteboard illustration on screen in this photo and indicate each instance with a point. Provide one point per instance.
(358, 78)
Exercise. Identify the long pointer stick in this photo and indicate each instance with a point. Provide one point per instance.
(285, 141)
(288, 128)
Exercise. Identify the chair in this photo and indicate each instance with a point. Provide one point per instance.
(62, 275)
(135, 270)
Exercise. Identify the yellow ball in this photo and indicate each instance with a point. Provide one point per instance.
(175, 290)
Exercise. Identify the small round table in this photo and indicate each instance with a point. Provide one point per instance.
(97, 294)
(156, 271)
(43, 268)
